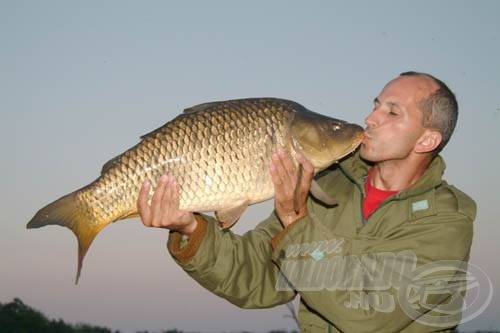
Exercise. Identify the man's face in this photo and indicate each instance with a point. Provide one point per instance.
(396, 122)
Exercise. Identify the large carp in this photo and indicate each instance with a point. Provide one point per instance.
(219, 152)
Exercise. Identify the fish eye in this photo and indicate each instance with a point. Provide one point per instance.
(336, 127)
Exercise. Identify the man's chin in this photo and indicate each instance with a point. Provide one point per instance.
(364, 153)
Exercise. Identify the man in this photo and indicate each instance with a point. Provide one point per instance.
(394, 214)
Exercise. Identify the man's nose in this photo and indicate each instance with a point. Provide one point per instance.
(370, 120)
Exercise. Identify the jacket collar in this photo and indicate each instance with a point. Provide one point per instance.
(356, 169)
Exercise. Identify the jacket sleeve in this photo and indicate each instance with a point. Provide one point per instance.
(237, 268)
(354, 283)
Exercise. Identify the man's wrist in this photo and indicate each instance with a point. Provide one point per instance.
(189, 229)
(292, 218)
(183, 249)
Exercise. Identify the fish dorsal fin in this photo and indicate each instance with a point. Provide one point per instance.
(229, 216)
(318, 193)
(199, 107)
(187, 111)
(109, 164)
(147, 135)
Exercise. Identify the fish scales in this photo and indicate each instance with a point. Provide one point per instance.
(220, 154)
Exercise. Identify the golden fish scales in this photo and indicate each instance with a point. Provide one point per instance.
(220, 154)
(218, 157)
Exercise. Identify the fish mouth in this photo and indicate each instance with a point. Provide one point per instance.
(359, 138)
(367, 136)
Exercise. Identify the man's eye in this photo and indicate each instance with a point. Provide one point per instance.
(393, 111)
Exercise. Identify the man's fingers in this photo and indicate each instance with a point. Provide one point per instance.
(142, 204)
(180, 215)
(274, 170)
(286, 170)
(165, 200)
(164, 211)
(291, 185)
(169, 204)
(287, 166)
(156, 201)
(306, 164)
(174, 199)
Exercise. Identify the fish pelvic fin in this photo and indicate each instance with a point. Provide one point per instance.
(69, 212)
(229, 216)
(318, 193)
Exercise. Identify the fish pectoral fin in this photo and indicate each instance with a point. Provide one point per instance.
(318, 193)
(229, 216)
(296, 192)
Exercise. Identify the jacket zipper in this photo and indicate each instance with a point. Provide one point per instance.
(361, 188)
(363, 195)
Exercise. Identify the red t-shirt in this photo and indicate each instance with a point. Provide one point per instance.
(374, 196)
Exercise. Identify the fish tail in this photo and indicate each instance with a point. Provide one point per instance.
(69, 212)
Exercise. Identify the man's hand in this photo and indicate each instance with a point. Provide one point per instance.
(164, 211)
(285, 179)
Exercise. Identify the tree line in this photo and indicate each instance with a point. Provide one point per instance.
(17, 317)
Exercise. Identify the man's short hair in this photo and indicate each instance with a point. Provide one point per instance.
(440, 109)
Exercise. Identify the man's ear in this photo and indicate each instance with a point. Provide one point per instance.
(428, 141)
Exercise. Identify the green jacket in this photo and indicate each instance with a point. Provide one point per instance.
(346, 270)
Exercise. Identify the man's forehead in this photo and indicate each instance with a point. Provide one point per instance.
(405, 88)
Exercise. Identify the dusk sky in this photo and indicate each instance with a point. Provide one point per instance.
(80, 81)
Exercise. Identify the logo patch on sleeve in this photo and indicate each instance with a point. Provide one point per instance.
(419, 205)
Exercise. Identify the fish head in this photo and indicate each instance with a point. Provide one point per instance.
(324, 140)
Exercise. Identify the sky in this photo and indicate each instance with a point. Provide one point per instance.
(81, 81)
